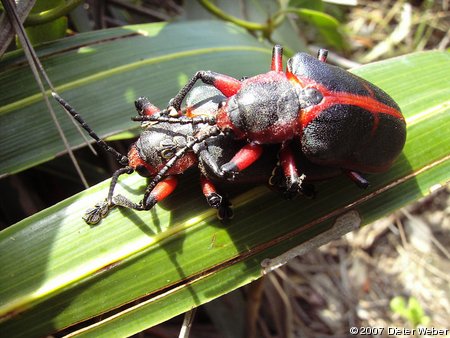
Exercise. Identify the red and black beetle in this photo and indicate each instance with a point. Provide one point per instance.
(322, 119)
(341, 120)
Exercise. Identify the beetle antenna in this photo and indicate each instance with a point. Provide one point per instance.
(206, 119)
(122, 159)
(213, 131)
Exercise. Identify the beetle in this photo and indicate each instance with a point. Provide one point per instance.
(340, 120)
(325, 120)
(158, 143)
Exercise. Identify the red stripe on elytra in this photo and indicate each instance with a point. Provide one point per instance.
(331, 98)
(334, 98)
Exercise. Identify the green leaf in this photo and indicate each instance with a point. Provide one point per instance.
(327, 25)
(309, 4)
(137, 269)
(413, 312)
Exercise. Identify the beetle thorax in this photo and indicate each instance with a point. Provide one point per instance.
(265, 110)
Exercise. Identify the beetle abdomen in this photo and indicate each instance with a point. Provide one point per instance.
(353, 138)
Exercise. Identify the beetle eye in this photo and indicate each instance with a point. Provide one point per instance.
(167, 149)
(167, 154)
(310, 97)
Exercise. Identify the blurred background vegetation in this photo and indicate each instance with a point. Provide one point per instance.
(390, 274)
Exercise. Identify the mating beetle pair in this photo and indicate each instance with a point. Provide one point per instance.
(335, 120)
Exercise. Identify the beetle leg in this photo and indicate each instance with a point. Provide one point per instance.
(322, 54)
(287, 163)
(243, 158)
(277, 59)
(114, 179)
(100, 210)
(144, 107)
(223, 206)
(122, 201)
(294, 181)
(209, 162)
(209, 191)
(226, 84)
(95, 214)
(158, 193)
(359, 180)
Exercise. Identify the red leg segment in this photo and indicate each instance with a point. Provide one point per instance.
(223, 206)
(145, 107)
(277, 59)
(162, 190)
(150, 109)
(322, 55)
(209, 191)
(244, 157)
(287, 163)
(208, 187)
(295, 183)
(226, 84)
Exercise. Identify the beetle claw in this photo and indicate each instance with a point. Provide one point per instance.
(292, 189)
(225, 211)
(95, 214)
(231, 175)
(214, 200)
(228, 171)
(296, 187)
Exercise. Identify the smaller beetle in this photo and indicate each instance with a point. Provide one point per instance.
(159, 142)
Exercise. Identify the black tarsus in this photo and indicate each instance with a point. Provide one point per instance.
(358, 179)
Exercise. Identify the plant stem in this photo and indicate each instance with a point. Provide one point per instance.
(52, 14)
(252, 26)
